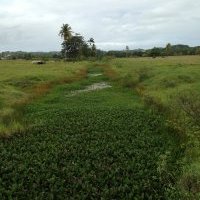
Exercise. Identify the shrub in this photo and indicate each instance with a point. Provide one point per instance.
(154, 103)
(189, 102)
(130, 81)
(143, 73)
(186, 78)
(169, 83)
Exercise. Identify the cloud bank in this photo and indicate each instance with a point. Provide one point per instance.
(34, 25)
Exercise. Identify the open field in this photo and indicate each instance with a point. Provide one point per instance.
(165, 84)
(160, 77)
(107, 134)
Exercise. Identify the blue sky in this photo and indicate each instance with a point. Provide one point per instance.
(33, 25)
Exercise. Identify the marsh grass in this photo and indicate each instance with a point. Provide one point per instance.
(170, 86)
(97, 145)
(135, 151)
(21, 90)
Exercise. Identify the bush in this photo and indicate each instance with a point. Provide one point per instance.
(143, 73)
(130, 81)
(189, 102)
(168, 83)
(154, 103)
(186, 79)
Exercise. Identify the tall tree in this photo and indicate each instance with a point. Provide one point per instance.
(197, 51)
(91, 41)
(168, 50)
(127, 51)
(74, 46)
(65, 32)
(92, 47)
(94, 51)
(155, 52)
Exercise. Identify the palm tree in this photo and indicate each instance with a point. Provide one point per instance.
(65, 32)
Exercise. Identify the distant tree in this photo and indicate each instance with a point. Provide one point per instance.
(94, 50)
(155, 52)
(197, 51)
(127, 51)
(28, 56)
(86, 50)
(168, 50)
(91, 41)
(74, 46)
(92, 47)
(65, 32)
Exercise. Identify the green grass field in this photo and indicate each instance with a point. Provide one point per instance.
(160, 77)
(119, 142)
(22, 81)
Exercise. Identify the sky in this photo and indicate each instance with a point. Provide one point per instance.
(33, 25)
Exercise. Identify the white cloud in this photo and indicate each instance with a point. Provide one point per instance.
(34, 25)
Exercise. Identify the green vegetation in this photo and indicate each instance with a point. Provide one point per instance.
(100, 144)
(161, 77)
(169, 50)
(138, 139)
(21, 82)
(74, 47)
(87, 50)
(170, 86)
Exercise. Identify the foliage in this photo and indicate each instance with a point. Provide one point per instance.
(169, 50)
(66, 32)
(30, 55)
(74, 47)
(100, 145)
(171, 87)
(189, 103)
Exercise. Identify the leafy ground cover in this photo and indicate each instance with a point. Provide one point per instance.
(170, 86)
(101, 144)
(21, 82)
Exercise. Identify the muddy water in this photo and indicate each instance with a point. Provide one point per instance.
(95, 75)
(93, 87)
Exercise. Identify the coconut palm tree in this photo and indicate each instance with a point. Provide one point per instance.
(66, 32)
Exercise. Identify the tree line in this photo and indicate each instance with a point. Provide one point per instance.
(8, 55)
(87, 52)
(169, 50)
(75, 47)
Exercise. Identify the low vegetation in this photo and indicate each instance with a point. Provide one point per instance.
(99, 144)
(21, 82)
(137, 138)
(169, 86)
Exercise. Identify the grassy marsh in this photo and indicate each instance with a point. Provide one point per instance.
(170, 86)
(99, 144)
(107, 143)
(22, 82)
